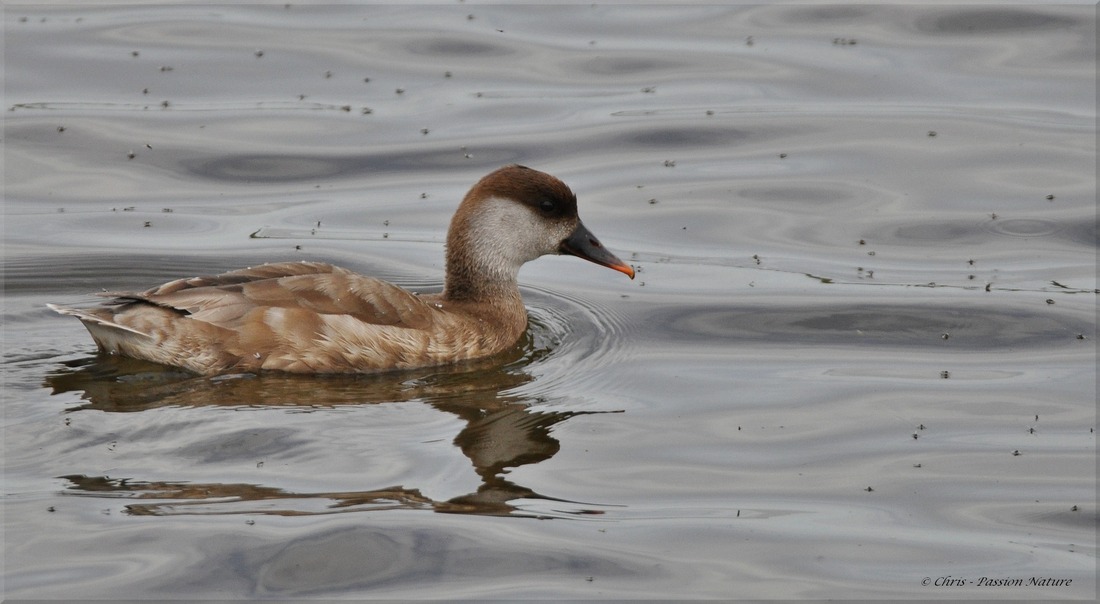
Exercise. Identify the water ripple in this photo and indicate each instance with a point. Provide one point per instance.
(580, 339)
(869, 325)
(975, 22)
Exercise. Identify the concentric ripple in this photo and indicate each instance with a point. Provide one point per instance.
(573, 340)
(1024, 227)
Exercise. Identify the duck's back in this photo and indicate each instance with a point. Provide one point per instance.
(298, 317)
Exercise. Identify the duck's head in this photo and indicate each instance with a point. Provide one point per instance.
(511, 216)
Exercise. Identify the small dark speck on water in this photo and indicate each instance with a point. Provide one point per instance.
(1073, 509)
(148, 224)
(131, 155)
(61, 128)
(869, 490)
(945, 374)
(782, 156)
(1050, 198)
(945, 335)
(1016, 453)
(931, 133)
(259, 53)
(399, 91)
(1050, 301)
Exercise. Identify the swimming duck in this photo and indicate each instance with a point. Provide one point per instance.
(311, 317)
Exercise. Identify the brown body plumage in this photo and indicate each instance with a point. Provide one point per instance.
(309, 317)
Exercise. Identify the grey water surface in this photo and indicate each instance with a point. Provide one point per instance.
(858, 360)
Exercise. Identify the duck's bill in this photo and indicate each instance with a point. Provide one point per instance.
(583, 244)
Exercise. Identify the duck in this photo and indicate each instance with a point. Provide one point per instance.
(312, 317)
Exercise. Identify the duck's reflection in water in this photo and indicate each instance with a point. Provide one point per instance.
(501, 432)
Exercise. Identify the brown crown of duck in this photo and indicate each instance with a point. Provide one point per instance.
(310, 317)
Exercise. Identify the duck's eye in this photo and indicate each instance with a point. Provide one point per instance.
(547, 206)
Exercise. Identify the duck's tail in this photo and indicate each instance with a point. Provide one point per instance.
(98, 316)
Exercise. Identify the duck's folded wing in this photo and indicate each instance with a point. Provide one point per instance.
(245, 275)
(297, 317)
(231, 298)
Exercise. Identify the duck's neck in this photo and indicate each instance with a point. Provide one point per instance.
(482, 261)
(476, 271)
(466, 284)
